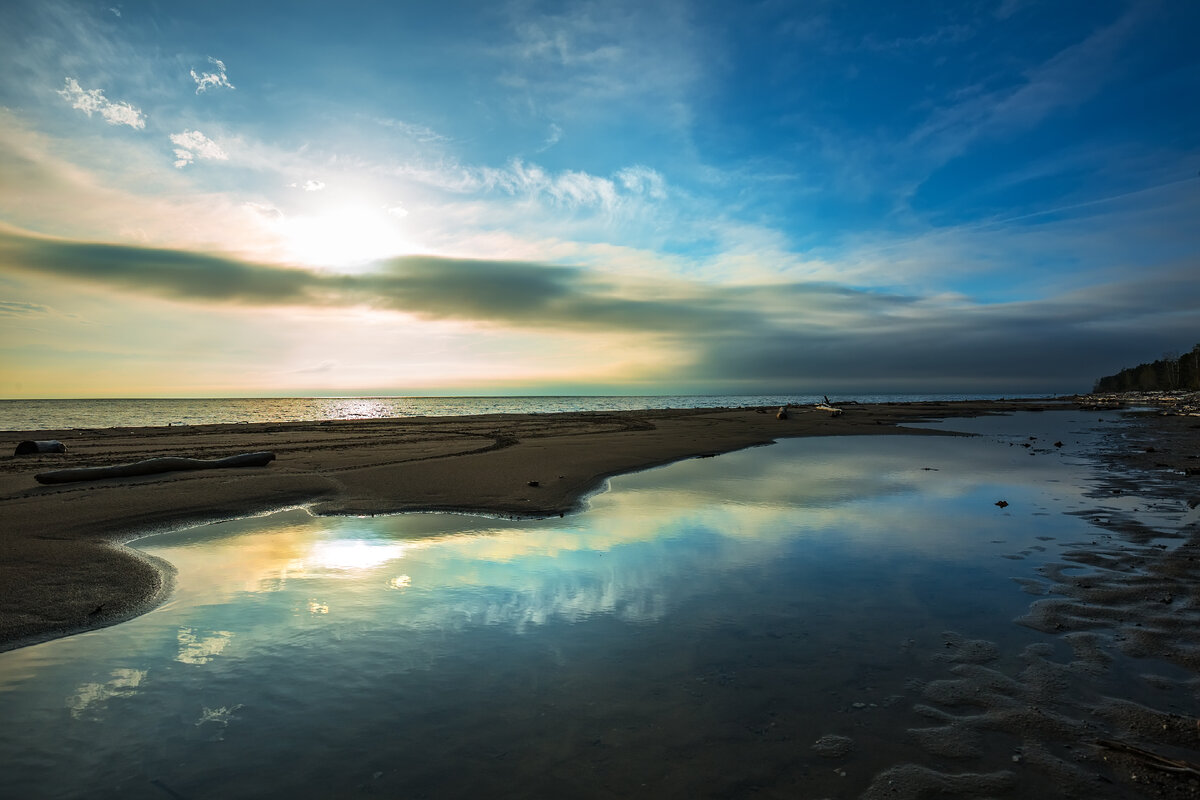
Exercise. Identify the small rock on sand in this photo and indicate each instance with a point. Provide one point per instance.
(832, 746)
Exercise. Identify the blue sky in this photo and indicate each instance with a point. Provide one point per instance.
(367, 197)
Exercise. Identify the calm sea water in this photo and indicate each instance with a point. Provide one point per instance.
(692, 634)
(23, 415)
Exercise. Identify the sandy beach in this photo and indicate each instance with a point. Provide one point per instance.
(63, 569)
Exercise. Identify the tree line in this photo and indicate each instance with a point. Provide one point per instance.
(1171, 372)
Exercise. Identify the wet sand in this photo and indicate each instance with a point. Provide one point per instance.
(63, 569)
(1121, 612)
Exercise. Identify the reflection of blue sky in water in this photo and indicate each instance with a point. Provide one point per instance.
(655, 537)
(281, 618)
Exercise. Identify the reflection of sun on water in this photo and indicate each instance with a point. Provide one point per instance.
(352, 554)
(356, 408)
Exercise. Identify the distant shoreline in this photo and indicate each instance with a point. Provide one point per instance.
(63, 568)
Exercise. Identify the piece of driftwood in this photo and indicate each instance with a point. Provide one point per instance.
(152, 466)
(833, 412)
(781, 413)
(31, 446)
(1149, 757)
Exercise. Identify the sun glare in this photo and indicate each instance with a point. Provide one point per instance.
(344, 237)
(348, 555)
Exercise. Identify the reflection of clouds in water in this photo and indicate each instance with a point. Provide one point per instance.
(121, 683)
(196, 648)
(572, 601)
(634, 581)
(642, 548)
(829, 472)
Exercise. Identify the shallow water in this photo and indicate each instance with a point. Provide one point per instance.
(693, 633)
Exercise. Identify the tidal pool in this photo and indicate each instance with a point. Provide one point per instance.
(693, 633)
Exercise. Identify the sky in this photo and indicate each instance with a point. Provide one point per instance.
(318, 198)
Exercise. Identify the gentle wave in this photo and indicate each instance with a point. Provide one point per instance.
(32, 415)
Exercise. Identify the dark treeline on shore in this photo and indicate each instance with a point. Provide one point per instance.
(1171, 372)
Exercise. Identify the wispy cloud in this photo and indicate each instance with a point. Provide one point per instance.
(1070, 77)
(570, 189)
(10, 308)
(948, 34)
(210, 80)
(643, 180)
(419, 133)
(309, 185)
(552, 138)
(91, 100)
(617, 57)
(192, 145)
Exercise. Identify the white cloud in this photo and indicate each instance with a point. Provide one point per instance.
(89, 100)
(116, 11)
(553, 138)
(572, 189)
(576, 60)
(264, 210)
(207, 80)
(309, 185)
(420, 133)
(192, 145)
(398, 211)
(643, 180)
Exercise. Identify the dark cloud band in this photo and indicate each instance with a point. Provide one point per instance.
(766, 337)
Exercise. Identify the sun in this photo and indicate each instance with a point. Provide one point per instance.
(344, 237)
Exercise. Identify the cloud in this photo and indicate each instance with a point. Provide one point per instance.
(552, 138)
(89, 100)
(1072, 76)
(420, 133)
(643, 180)
(645, 59)
(309, 186)
(264, 210)
(208, 80)
(10, 308)
(515, 293)
(772, 335)
(316, 369)
(116, 12)
(571, 190)
(171, 273)
(192, 145)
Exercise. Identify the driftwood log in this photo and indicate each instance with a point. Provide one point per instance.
(153, 466)
(31, 446)
(833, 412)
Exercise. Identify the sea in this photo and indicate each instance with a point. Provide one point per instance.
(52, 415)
